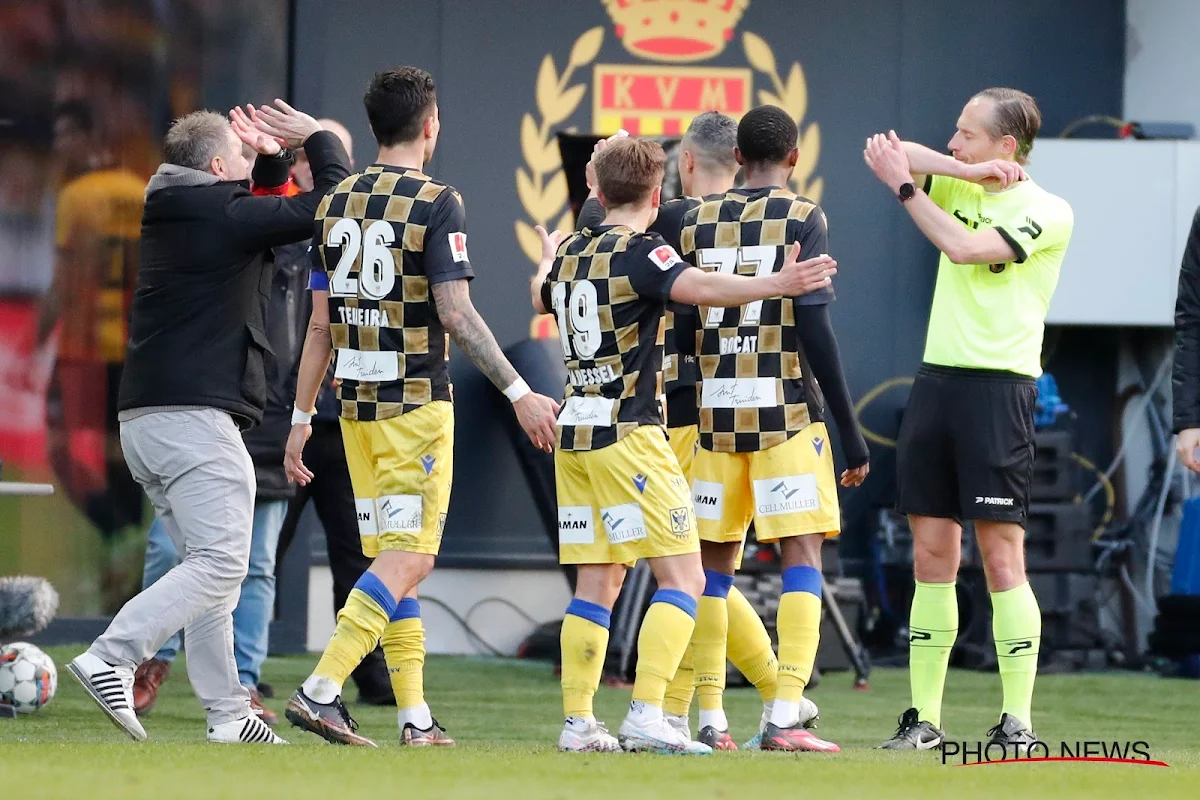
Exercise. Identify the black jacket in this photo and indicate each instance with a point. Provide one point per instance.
(287, 322)
(197, 334)
(1185, 380)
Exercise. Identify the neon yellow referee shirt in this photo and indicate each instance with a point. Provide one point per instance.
(992, 316)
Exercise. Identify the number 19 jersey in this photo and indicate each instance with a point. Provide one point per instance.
(383, 238)
(608, 288)
(756, 391)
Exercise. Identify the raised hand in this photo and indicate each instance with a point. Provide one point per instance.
(550, 242)
(537, 415)
(243, 125)
(286, 124)
(590, 170)
(887, 159)
(798, 277)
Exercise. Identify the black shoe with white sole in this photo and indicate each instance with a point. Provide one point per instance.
(914, 733)
(112, 689)
(1012, 734)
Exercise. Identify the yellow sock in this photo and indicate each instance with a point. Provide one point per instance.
(799, 625)
(678, 700)
(360, 623)
(750, 645)
(709, 640)
(1017, 628)
(404, 648)
(584, 642)
(666, 631)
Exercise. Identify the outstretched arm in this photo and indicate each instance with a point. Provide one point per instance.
(699, 288)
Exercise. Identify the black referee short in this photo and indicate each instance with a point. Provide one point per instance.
(965, 450)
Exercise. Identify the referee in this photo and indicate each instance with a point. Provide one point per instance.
(965, 448)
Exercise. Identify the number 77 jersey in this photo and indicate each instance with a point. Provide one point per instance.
(608, 289)
(756, 391)
(383, 238)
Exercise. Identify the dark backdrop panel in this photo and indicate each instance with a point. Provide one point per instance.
(869, 65)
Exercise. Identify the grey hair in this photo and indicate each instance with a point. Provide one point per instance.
(712, 137)
(195, 139)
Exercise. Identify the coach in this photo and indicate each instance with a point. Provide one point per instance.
(194, 378)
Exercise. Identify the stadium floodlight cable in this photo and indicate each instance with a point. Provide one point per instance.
(1164, 369)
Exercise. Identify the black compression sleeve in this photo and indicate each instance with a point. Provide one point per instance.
(821, 349)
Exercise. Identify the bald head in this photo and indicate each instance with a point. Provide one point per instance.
(339, 130)
(302, 170)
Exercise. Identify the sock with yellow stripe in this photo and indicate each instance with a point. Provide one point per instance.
(403, 643)
(750, 645)
(1017, 628)
(666, 630)
(799, 625)
(360, 623)
(712, 630)
(932, 629)
(584, 642)
(678, 699)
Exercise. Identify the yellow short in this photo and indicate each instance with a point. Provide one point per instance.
(401, 470)
(623, 502)
(685, 441)
(788, 490)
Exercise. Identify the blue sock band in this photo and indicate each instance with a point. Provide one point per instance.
(407, 608)
(590, 611)
(802, 579)
(717, 584)
(370, 585)
(681, 600)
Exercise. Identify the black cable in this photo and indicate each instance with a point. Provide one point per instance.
(462, 622)
(502, 601)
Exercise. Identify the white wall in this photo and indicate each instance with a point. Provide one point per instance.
(1162, 71)
(542, 595)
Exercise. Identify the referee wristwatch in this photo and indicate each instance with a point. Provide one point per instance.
(907, 190)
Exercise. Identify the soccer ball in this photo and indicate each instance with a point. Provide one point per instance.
(28, 678)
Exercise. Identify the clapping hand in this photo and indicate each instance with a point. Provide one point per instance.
(286, 124)
(243, 124)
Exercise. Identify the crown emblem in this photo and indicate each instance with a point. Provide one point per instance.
(675, 30)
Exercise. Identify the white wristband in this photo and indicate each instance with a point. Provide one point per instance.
(302, 417)
(517, 390)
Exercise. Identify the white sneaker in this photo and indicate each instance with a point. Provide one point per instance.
(112, 689)
(247, 730)
(658, 736)
(586, 736)
(680, 723)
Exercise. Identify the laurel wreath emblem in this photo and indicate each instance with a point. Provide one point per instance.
(792, 97)
(542, 185)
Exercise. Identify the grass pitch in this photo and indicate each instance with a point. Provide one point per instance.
(506, 717)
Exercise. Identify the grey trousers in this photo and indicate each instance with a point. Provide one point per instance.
(196, 471)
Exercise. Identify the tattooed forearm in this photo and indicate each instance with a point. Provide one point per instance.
(470, 332)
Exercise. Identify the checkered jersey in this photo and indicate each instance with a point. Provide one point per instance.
(383, 237)
(755, 387)
(608, 287)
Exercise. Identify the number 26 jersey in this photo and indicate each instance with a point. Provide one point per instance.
(608, 289)
(383, 238)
